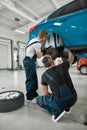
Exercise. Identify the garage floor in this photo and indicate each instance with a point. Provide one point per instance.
(31, 116)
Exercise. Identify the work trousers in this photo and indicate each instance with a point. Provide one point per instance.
(31, 77)
(55, 105)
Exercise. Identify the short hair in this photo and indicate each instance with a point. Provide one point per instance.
(52, 52)
(42, 34)
(47, 60)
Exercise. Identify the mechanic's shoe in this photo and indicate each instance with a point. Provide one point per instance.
(67, 110)
(34, 100)
(56, 117)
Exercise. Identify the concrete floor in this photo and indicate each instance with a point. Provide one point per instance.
(31, 116)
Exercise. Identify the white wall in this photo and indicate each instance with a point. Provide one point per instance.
(14, 36)
(7, 33)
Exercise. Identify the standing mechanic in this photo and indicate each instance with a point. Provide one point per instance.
(63, 94)
(33, 51)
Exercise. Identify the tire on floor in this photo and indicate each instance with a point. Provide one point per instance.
(11, 100)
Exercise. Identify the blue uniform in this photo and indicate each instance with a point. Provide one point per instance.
(30, 68)
(63, 94)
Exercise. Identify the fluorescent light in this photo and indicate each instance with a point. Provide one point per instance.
(20, 31)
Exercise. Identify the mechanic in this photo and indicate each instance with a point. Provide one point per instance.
(63, 94)
(33, 51)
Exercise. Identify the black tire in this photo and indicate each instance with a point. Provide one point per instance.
(11, 100)
(83, 70)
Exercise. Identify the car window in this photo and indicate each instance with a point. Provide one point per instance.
(69, 8)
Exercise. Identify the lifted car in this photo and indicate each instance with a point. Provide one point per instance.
(67, 25)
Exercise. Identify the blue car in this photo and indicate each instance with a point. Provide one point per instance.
(66, 26)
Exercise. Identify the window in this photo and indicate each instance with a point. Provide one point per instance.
(69, 8)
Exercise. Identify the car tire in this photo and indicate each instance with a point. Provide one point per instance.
(11, 100)
(83, 70)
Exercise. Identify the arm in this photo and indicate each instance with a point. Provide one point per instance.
(37, 48)
(45, 90)
(39, 54)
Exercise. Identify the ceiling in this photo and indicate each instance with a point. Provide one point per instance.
(20, 15)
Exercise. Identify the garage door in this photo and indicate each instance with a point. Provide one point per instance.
(21, 48)
(5, 54)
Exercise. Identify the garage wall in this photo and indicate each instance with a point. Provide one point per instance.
(5, 54)
(21, 53)
(10, 34)
(5, 47)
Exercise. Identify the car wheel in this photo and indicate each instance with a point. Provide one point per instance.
(11, 100)
(83, 70)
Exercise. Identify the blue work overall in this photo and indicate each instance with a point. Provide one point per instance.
(31, 77)
(55, 105)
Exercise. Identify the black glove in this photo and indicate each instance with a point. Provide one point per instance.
(45, 50)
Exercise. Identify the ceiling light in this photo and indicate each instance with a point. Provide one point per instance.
(17, 19)
(20, 31)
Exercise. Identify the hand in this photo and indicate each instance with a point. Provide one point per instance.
(39, 54)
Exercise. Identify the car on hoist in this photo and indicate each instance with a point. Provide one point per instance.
(66, 26)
